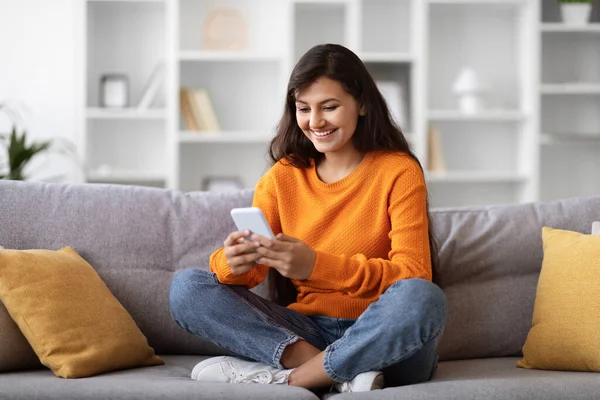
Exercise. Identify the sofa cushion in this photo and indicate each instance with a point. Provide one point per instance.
(490, 259)
(68, 315)
(169, 381)
(566, 316)
(15, 351)
(136, 238)
(491, 379)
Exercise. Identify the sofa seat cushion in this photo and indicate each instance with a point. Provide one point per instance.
(492, 379)
(169, 381)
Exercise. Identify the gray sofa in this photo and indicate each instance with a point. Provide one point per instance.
(137, 238)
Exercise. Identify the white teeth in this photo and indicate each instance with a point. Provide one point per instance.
(323, 133)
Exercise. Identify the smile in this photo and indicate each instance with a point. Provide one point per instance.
(324, 133)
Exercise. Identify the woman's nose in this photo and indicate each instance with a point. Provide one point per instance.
(316, 120)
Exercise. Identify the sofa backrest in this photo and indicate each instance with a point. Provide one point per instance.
(490, 260)
(137, 238)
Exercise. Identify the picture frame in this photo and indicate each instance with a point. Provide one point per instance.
(221, 184)
(114, 91)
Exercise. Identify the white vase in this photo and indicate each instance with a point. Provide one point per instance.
(470, 104)
(576, 13)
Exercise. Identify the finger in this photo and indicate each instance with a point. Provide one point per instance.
(243, 248)
(248, 259)
(266, 252)
(234, 236)
(270, 262)
(286, 238)
(276, 245)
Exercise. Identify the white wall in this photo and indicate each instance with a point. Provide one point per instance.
(37, 68)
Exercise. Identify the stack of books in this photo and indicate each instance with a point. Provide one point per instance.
(197, 110)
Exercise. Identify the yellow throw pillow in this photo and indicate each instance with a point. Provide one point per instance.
(565, 332)
(69, 316)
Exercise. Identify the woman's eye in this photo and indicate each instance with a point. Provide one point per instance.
(303, 110)
(330, 108)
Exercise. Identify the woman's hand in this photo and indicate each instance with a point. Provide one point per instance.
(238, 252)
(291, 257)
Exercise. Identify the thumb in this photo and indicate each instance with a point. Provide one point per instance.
(286, 238)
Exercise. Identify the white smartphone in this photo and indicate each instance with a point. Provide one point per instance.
(252, 219)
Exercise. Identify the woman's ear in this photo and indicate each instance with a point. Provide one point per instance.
(362, 112)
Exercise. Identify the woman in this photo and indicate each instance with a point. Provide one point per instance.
(351, 264)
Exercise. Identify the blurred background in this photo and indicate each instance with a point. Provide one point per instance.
(500, 99)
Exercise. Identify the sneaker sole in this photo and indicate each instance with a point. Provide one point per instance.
(203, 364)
(378, 382)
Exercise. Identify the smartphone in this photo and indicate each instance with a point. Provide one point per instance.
(252, 219)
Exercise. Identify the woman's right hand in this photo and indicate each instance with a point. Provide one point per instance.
(238, 252)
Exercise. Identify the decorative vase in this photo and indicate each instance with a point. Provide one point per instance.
(468, 89)
(576, 13)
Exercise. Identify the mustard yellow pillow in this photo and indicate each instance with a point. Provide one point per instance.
(68, 315)
(565, 332)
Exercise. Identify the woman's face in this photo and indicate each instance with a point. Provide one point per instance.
(328, 115)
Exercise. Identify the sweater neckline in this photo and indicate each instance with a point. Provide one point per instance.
(351, 177)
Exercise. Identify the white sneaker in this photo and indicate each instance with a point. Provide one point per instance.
(227, 369)
(364, 382)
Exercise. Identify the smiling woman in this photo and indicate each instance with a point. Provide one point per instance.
(350, 266)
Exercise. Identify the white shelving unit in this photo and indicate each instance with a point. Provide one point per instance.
(541, 109)
(127, 145)
(570, 105)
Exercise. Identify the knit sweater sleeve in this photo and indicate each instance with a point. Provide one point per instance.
(264, 198)
(409, 257)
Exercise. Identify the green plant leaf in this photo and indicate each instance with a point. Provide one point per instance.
(19, 154)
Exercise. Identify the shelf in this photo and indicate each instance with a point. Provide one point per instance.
(322, 2)
(570, 139)
(484, 2)
(129, 113)
(223, 137)
(385, 57)
(475, 177)
(489, 115)
(203, 55)
(560, 27)
(126, 1)
(570, 88)
(125, 176)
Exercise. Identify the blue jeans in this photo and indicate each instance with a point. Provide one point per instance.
(397, 334)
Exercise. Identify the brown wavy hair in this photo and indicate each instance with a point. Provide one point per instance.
(374, 131)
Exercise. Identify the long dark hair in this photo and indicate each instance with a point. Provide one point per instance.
(374, 131)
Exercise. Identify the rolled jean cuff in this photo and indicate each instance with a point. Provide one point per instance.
(280, 349)
(327, 365)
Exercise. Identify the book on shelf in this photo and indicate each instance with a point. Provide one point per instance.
(152, 86)
(197, 110)
(435, 156)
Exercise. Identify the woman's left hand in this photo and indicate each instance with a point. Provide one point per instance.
(293, 258)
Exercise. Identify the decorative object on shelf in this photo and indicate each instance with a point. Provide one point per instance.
(152, 86)
(197, 110)
(393, 94)
(222, 184)
(114, 91)
(225, 29)
(575, 12)
(19, 153)
(469, 90)
(435, 158)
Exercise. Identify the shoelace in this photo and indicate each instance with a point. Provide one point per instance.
(264, 377)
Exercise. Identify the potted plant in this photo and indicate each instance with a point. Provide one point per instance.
(19, 152)
(575, 12)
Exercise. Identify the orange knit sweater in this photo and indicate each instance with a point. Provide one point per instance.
(368, 230)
